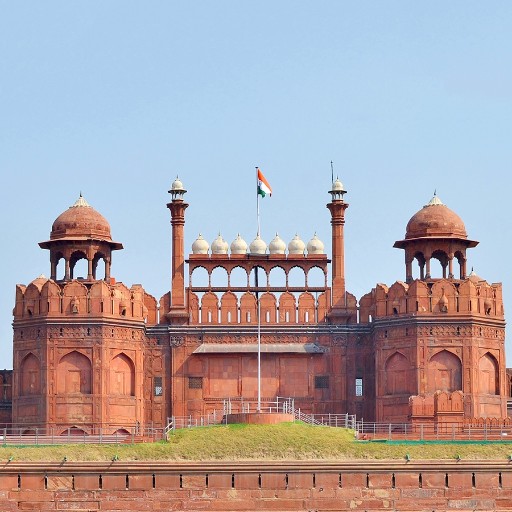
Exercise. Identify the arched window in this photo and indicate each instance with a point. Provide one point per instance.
(74, 374)
(444, 372)
(122, 376)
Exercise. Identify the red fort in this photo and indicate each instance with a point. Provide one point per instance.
(91, 353)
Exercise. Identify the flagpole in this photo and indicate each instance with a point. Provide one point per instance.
(258, 299)
(257, 202)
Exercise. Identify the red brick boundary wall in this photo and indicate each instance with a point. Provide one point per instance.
(281, 486)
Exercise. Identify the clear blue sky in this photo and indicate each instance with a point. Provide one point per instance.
(115, 98)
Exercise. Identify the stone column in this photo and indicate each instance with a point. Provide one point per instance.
(177, 208)
(337, 208)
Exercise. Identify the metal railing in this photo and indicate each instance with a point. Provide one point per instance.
(432, 432)
(36, 435)
(238, 405)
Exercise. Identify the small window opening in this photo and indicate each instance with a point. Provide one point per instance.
(359, 386)
(321, 381)
(157, 386)
(195, 383)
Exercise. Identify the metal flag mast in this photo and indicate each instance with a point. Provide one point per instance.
(258, 296)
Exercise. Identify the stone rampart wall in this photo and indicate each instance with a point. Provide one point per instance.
(372, 486)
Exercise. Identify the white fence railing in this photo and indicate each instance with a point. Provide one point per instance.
(430, 431)
(35, 435)
(278, 405)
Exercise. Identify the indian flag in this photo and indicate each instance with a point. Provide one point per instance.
(264, 187)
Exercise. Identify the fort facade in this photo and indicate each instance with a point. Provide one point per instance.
(91, 353)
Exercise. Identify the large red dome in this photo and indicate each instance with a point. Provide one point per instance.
(435, 220)
(81, 221)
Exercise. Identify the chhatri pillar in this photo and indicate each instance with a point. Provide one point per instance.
(337, 207)
(178, 313)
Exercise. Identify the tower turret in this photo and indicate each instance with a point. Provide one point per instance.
(178, 314)
(337, 207)
(78, 233)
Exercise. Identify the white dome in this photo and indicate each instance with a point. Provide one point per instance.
(239, 245)
(296, 246)
(337, 186)
(219, 245)
(258, 246)
(315, 245)
(277, 245)
(177, 185)
(200, 245)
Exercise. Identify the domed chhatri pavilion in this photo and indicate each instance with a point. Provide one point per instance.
(91, 353)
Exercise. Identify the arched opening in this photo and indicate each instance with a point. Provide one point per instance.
(74, 374)
(258, 277)
(199, 278)
(99, 271)
(30, 376)
(59, 266)
(488, 375)
(122, 376)
(74, 431)
(316, 278)
(442, 258)
(238, 278)
(78, 265)
(297, 278)
(419, 269)
(277, 277)
(121, 432)
(219, 278)
(444, 372)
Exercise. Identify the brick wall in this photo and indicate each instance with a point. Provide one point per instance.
(370, 486)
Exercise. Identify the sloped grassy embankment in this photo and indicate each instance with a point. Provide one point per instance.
(287, 441)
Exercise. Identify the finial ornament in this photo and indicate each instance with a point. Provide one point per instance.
(435, 201)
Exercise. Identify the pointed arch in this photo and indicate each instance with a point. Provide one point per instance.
(30, 375)
(74, 374)
(287, 308)
(229, 308)
(444, 372)
(209, 308)
(268, 308)
(399, 376)
(248, 309)
(306, 308)
(122, 375)
(488, 375)
(277, 277)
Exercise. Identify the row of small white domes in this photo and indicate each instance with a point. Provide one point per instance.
(258, 246)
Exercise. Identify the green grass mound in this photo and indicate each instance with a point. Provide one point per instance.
(286, 441)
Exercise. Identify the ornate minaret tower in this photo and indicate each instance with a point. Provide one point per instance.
(178, 313)
(337, 207)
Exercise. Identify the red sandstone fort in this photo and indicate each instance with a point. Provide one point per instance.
(91, 353)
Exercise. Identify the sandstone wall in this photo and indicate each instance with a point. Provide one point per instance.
(373, 486)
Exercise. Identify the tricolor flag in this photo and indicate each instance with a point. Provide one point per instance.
(264, 187)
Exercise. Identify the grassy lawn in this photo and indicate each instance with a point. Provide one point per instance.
(287, 441)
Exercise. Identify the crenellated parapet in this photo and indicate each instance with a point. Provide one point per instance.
(445, 297)
(77, 299)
